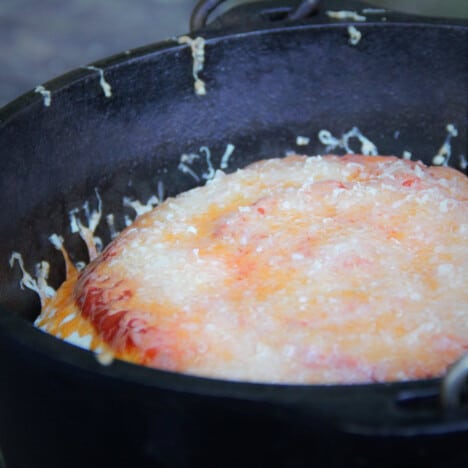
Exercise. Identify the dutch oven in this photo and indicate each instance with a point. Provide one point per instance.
(273, 71)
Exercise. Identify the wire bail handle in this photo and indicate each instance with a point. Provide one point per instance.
(454, 385)
(204, 8)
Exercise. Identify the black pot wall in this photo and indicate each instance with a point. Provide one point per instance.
(72, 417)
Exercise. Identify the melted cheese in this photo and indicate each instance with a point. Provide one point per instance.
(46, 95)
(224, 164)
(320, 269)
(106, 87)
(345, 15)
(463, 162)
(354, 35)
(442, 157)
(86, 232)
(38, 284)
(332, 142)
(302, 141)
(187, 161)
(197, 47)
(141, 208)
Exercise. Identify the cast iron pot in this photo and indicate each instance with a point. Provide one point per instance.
(268, 80)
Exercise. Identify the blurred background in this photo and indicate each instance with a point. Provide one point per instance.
(41, 39)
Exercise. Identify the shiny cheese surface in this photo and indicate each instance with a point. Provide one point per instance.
(303, 269)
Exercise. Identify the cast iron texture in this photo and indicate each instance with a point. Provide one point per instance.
(401, 85)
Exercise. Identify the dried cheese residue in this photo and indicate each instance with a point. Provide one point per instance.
(367, 147)
(354, 35)
(345, 15)
(197, 46)
(46, 95)
(106, 87)
(442, 157)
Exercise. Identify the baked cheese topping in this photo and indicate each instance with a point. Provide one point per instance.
(300, 270)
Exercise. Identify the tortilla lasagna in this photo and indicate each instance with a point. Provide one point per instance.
(300, 269)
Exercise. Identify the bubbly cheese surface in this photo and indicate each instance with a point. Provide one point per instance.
(302, 269)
